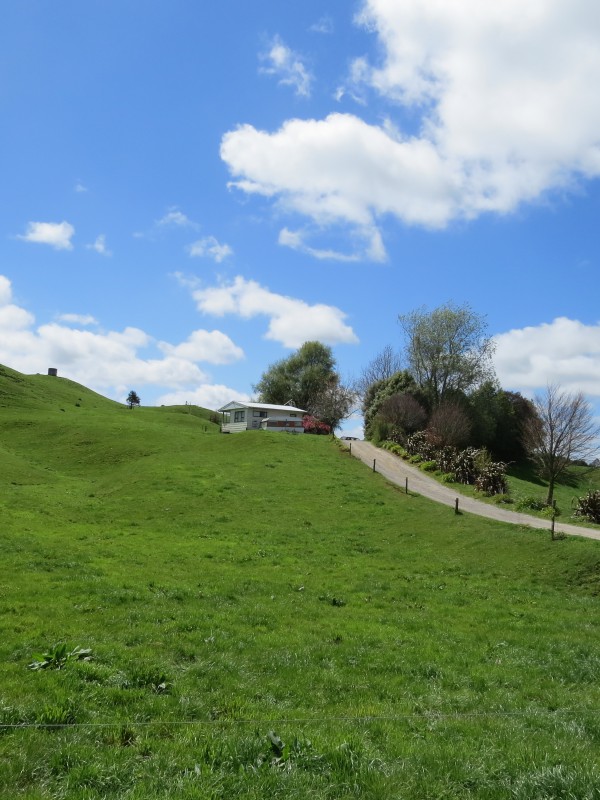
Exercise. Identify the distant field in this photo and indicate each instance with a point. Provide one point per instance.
(270, 619)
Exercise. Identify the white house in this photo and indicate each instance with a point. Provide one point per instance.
(238, 416)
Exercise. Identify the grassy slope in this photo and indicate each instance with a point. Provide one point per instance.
(272, 583)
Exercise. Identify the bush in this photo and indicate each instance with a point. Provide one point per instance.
(464, 465)
(429, 466)
(416, 459)
(492, 478)
(380, 430)
(531, 504)
(448, 477)
(588, 506)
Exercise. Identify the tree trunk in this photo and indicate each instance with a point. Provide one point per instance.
(550, 495)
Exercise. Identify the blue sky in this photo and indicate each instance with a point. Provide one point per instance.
(190, 190)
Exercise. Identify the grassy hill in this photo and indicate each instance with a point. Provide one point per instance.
(268, 618)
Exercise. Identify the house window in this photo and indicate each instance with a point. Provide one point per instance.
(293, 415)
(262, 414)
(239, 416)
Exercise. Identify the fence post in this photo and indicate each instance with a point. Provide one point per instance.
(350, 448)
(456, 506)
(373, 465)
(406, 486)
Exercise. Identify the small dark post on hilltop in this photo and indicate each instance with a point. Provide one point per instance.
(52, 371)
(133, 400)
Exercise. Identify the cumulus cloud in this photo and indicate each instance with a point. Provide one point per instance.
(504, 99)
(100, 246)
(212, 347)
(56, 234)
(107, 361)
(564, 351)
(208, 396)
(291, 321)
(284, 64)
(209, 247)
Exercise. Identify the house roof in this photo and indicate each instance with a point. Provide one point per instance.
(261, 407)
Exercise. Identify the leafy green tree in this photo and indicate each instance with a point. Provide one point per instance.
(308, 378)
(399, 383)
(133, 400)
(447, 350)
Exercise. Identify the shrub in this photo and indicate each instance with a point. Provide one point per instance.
(464, 465)
(416, 459)
(429, 466)
(492, 478)
(531, 504)
(588, 506)
(380, 430)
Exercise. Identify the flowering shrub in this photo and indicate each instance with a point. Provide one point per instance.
(313, 425)
(588, 506)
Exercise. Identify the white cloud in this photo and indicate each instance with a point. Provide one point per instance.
(209, 247)
(291, 321)
(175, 218)
(564, 351)
(504, 96)
(56, 234)
(106, 361)
(80, 188)
(212, 347)
(323, 25)
(100, 246)
(78, 319)
(287, 66)
(208, 396)
(371, 246)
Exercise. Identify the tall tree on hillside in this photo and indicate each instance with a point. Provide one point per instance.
(562, 429)
(133, 400)
(447, 350)
(380, 368)
(308, 378)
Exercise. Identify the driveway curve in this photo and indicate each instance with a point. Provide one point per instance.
(397, 471)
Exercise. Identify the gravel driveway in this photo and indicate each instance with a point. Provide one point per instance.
(397, 471)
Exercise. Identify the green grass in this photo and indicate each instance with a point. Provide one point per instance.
(234, 586)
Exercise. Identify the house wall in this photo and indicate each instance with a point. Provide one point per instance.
(278, 421)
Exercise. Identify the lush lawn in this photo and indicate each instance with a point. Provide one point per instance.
(234, 586)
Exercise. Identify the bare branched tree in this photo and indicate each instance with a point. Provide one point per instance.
(380, 368)
(562, 430)
(450, 425)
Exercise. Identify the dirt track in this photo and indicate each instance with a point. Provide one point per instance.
(397, 471)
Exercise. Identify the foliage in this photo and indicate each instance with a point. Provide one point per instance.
(133, 399)
(562, 430)
(530, 503)
(449, 425)
(313, 425)
(404, 413)
(465, 466)
(299, 378)
(447, 349)
(588, 506)
(309, 379)
(58, 656)
(400, 383)
(491, 478)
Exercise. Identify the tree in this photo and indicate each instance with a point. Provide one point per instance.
(133, 400)
(403, 411)
(562, 429)
(399, 383)
(380, 368)
(449, 426)
(309, 379)
(447, 349)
